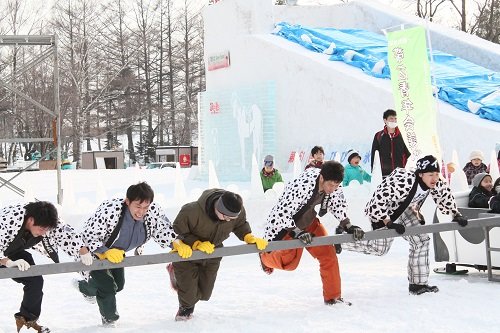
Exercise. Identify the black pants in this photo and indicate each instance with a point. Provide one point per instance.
(31, 305)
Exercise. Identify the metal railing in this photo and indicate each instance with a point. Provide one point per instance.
(67, 267)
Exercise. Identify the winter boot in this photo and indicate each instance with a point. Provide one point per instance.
(109, 323)
(184, 313)
(419, 289)
(337, 301)
(21, 321)
(267, 270)
(173, 281)
(87, 298)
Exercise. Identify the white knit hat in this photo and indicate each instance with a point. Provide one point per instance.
(476, 154)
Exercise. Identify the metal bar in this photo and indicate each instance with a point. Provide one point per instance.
(12, 187)
(494, 249)
(239, 250)
(57, 110)
(27, 66)
(27, 140)
(46, 154)
(486, 231)
(26, 40)
(27, 98)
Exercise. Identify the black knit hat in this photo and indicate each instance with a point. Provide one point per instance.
(229, 204)
(427, 164)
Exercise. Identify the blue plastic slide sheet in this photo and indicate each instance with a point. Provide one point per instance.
(466, 86)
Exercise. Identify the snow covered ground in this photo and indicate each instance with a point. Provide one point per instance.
(245, 299)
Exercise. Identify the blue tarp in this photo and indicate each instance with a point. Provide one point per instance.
(466, 86)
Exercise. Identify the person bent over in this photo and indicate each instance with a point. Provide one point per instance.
(294, 216)
(35, 225)
(203, 225)
(396, 204)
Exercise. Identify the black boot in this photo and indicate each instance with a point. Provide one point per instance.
(185, 313)
(419, 289)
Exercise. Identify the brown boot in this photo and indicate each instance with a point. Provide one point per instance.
(21, 321)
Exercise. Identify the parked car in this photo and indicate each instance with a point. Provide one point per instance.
(161, 165)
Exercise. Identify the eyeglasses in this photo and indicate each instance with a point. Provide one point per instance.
(268, 163)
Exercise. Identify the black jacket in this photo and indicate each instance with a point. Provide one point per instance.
(392, 151)
(479, 197)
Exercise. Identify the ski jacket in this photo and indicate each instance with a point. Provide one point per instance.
(355, 173)
(392, 150)
(394, 189)
(197, 221)
(63, 236)
(98, 229)
(471, 171)
(479, 197)
(295, 196)
(268, 180)
(495, 204)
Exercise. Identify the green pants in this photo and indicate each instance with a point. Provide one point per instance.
(195, 280)
(104, 284)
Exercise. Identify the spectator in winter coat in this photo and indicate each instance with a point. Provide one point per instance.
(390, 145)
(353, 171)
(481, 193)
(269, 175)
(203, 225)
(396, 204)
(35, 225)
(475, 165)
(294, 216)
(118, 226)
(318, 156)
(496, 187)
(494, 203)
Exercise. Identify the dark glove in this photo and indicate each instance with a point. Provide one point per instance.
(356, 232)
(460, 220)
(400, 229)
(338, 231)
(302, 235)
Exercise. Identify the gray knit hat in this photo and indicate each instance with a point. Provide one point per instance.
(229, 204)
(476, 181)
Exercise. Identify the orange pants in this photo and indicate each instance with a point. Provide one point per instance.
(288, 260)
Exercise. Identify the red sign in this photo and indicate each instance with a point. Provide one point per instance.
(185, 160)
(214, 107)
(218, 60)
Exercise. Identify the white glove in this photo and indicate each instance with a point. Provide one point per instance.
(86, 259)
(20, 263)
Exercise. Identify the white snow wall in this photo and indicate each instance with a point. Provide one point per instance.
(320, 102)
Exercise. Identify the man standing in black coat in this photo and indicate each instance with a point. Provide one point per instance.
(390, 145)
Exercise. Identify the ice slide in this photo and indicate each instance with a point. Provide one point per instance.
(465, 85)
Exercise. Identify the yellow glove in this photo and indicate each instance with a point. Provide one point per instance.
(206, 246)
(182, 249)
(113, 255)
(259, 242)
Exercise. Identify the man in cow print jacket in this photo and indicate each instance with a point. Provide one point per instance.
(35, 225)
(396, 204)
(120, 225)
(294, 216)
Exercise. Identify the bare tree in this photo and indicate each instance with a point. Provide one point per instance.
(428, 8)
(487, 21)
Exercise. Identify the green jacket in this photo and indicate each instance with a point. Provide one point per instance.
(355, 173)
(269, 181)
(197, 221)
